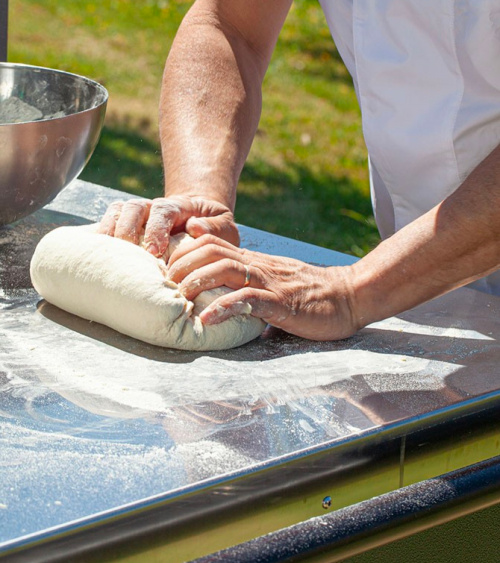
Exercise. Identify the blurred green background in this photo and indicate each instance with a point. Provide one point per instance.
(306, 176)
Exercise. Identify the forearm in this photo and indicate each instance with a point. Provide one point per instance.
(209, 109)
(455, 243)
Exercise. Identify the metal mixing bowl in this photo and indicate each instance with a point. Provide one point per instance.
(59, 119)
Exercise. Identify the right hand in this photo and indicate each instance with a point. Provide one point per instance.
(158, 218)
(309, 301)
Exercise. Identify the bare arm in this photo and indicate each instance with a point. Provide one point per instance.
(209, 111)
(453, 244)
(211, 94)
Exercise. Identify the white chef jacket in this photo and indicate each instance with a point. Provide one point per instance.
(427, 77)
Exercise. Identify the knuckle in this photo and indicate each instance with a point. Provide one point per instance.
(247, 254)
(115, 205)
(165, 207)
(160, 205)
(234, 264)
(228, 263)
(211, 241)
(210, 248)
(113, 212)
(137, 204)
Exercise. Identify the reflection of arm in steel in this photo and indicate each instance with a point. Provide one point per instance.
(188, 423)
(219, 412)
(4, 20)
(384, 407)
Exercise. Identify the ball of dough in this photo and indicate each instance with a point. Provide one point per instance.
(120, 285)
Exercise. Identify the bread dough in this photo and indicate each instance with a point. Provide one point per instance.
(120, 285)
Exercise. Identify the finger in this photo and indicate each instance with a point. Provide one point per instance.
(222, 226)
(108, 221)
(164, 215)
(228, 273)
(133, 217)
(247, 301)
(201, 257)
(193, 245)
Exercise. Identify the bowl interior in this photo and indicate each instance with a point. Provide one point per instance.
(35, 94)
(50, 123)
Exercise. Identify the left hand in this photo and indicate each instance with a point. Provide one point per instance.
(157, 218)
(304, 300)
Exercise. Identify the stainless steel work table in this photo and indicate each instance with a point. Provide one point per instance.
(115, 449)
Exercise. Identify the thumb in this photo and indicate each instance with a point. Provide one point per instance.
(221, 226)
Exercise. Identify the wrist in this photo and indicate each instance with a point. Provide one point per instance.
(363, 302)
(225, 197)
(369, 297)
(382, 288)
(345, 298)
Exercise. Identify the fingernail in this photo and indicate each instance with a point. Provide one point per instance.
(152, 249)
(163, 269)
(241, 308)
(190, 287)
(213, 315)
(198, 226)
(204, 223)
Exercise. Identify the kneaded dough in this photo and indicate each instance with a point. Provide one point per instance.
(120, 285)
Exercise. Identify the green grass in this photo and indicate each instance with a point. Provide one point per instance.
(306, 176)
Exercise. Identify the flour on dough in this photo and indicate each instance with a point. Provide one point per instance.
(120, 285)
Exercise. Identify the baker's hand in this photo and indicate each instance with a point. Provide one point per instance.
(157, 218)
(305, 300)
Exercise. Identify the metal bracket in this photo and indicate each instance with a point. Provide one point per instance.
(4, 24)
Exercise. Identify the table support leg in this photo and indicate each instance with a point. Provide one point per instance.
(4, 23)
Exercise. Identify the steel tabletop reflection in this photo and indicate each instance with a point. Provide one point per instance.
(103, 437)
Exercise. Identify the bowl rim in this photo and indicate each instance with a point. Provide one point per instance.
(103, 90)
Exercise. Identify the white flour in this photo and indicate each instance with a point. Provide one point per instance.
(121, 384)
